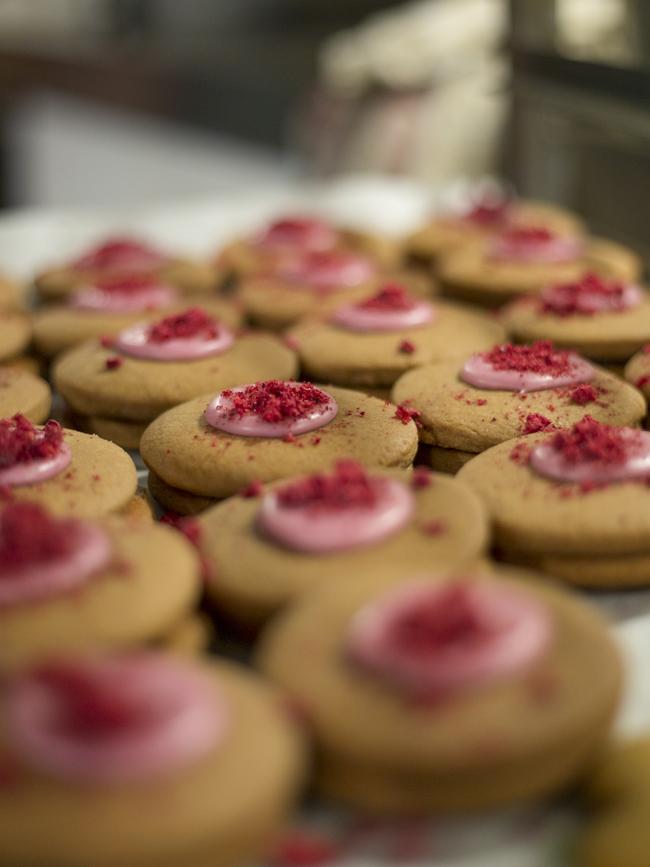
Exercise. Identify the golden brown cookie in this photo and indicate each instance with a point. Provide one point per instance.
(22, 392)
(637, 370)
(192, 635)
(409, 717)
(253, 575)
(175, 499)
(15, 334)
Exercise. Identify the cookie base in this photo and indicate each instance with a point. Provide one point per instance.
(177, 500)
(597, 572)
(448, 460)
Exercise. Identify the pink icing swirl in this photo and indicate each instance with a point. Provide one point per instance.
(298, 232)
(428, 640)
(532, 367)
(328, 270)
(535, 245)
(42, 557)
(37, 470)
(271, 409)
(327, 513)
(390, 309)
(114, 720)
(133, 294)
(186, 336)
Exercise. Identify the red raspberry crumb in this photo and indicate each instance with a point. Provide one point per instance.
(21, 442)
(405, 414)
(113, 253)
(421, 477)
(114, 362)
(107, 342)
(275, 401)
(29, 534)
(301, 849)
(583, 394)
(347, 486)
(585, 297)
(590, 440)
(406, 347)
(642, 380)
(389, 298)
(254, 489)
(434, 528)
(534, 423)
(538, 357)
(194, 322)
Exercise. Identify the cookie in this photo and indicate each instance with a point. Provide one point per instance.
(575, 503)
(418, 702)
(70, 585)
(637, 370)
(607, 320)
(25, 394)
(372, 342)
(617, 793)
(151, 367)
(214, 447)
(266, 550)
(12, 294)
(511, 390)
(191, 636)
(112, 305)
(312, 283)
(160, 760)
(126, 434)
(175, 499)
(67, 472)
(484, 218)
(525, 260)
(15, 334)
(122, 257)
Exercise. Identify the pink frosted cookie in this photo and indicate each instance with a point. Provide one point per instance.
(445, 691)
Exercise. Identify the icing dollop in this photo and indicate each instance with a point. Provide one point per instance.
(588, 296)
(120, 253)
(535, 244)
(428, 640)
(529, 367)
(327, 270)
(42, 556)
(110, 720)
(186, 336)
(28, 454)
(272, 408)
(298, 232)
(125, 294)
(329, 512)
(392, 308)
(593, 452)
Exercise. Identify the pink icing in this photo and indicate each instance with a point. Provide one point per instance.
(42, 556)
(323, 514)
(431, 639)
(327, 270)
(590, 295)
(125, 254)
(37, 470)
(391, 309)
(293, 408)
(303, 233)
(535, 245)
(114, 720)
(533, 367)
(183, 337)
(124, 295)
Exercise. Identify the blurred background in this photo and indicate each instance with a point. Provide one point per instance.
(129, 102)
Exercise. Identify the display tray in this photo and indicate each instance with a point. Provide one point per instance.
(535, 835)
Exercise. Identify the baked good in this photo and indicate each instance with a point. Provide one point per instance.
(24, 393)
(15, 334)
(152, 366)
(573, 503)
(213, 447)
(604, 319)
(444, 692)
(70, 473)
(525, 260)
(508, 391)
(122, 256)
(371, 342)
(272, 545)
(70, 585)
(637, 370)
(145, 760)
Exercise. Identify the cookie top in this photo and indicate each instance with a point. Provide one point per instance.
(273, 545)
(236, 763)
(603, 319)
(385, 682)
(576, 495)
(68, 585)
(526, 260)
(68, 472)
(111, 381)
(58, 327)
(356, 346)
(23, 392)
(187, 452)
(454, 413)
(15, 333)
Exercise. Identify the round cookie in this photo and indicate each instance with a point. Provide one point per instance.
(117, 602)
(214, 799)
(454, 414)
(586, 531)
(408, 706)
(254, 574)
(25, 394)
(126, 434)
(600, 319)
(124, 257)
(176, 499)
(98, 479)
(103, 381)
(12, 294)
(475, 273)
(331, 351)
(485, 218)
(637, 370)
(186, 453)
(15, 334)
(60, 327)
(191, 636)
